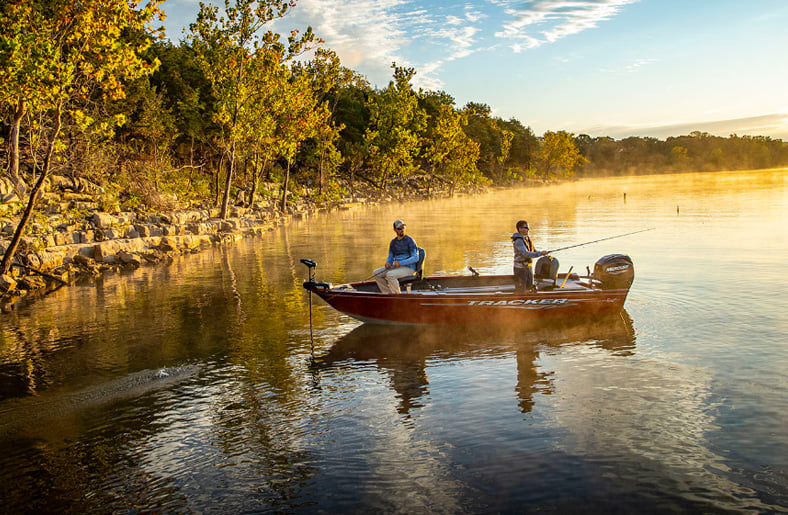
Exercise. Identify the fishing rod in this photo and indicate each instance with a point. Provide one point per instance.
(602, 239)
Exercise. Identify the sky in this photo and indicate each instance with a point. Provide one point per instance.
(615, 68)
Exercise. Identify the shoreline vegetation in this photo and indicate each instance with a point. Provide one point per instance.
(120, 148)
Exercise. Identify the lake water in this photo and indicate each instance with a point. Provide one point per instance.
(190, 388)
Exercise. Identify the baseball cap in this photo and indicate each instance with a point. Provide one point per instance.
(399, 224)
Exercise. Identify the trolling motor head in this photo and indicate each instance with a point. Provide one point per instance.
(310, 283)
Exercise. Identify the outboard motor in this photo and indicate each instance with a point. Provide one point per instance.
(614, 271)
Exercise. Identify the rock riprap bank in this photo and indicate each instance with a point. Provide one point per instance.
(76, 239)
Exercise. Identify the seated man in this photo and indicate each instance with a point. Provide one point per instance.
(402, 260)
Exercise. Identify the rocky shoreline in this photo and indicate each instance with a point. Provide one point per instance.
(78, 240)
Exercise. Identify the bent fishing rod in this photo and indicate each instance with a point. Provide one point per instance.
(602, 239)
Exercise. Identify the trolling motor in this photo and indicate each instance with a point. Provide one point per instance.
(310, 283)
(310, 265)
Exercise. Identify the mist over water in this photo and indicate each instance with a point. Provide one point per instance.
(190, 388)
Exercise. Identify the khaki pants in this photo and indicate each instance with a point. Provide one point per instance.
(387, 279)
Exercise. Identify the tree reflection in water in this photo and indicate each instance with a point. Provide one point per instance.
(403, 352)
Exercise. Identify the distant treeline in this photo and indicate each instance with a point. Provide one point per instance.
(698, 151)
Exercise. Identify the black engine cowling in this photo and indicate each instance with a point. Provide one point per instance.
(614, 271)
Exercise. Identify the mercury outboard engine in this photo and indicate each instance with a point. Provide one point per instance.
(614, 271)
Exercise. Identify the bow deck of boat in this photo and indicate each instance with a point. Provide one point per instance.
(502, 284)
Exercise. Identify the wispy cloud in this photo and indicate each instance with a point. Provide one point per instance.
(457, 36)
(369, 35)
(546, 21)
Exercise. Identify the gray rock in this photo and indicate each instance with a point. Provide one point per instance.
(103, 220)
(7, 283)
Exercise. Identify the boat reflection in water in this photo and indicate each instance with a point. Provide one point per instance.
(403, 352)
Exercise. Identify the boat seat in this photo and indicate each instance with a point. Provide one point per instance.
(407, 282)
(546, 269)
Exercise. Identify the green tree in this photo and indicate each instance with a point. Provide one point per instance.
(524, 145)
(328, 79)
(54, 55)
(447, 152)
(224, 45)
(558, 155)
(302, 120)
(395, 121)
(187, 95)
(494, 141)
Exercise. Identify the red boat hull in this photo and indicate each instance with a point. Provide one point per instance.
(456, 308)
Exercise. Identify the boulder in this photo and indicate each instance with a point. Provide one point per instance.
(79, 259)
(127, 258)
(32, 282)
(103, 220)
(7, 283)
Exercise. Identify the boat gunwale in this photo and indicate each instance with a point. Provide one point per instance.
(572, 288)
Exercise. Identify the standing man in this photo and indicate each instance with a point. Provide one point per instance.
(402, 260)
(524, 252)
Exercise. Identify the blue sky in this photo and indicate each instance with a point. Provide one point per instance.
(600, 67)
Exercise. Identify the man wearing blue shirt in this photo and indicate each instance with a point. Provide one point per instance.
(402, 260)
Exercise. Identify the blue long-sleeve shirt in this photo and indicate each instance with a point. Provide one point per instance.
(405, 251)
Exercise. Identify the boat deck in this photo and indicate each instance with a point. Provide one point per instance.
(471, 285)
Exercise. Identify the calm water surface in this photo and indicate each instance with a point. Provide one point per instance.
(188, 388)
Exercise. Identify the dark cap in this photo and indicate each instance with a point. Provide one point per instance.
(399, 224)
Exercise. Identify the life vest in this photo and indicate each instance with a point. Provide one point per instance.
(529, 246)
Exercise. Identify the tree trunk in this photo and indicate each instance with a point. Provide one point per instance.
(284, 188)
(13, 154)
(13, 245)
(216, 178)
(256, 178)
(321, 168)
(228, 182)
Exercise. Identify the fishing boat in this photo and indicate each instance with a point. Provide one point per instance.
(484, 299)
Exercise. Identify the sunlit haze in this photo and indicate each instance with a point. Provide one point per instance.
(601, 67)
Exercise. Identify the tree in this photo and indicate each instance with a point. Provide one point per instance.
(558, 155)
(447, 152)
(55, 54)
(302, 120)
(523, 147)
(224, 46)
(328, 78)
(187, 95)
(395, 121)
(494, 141)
